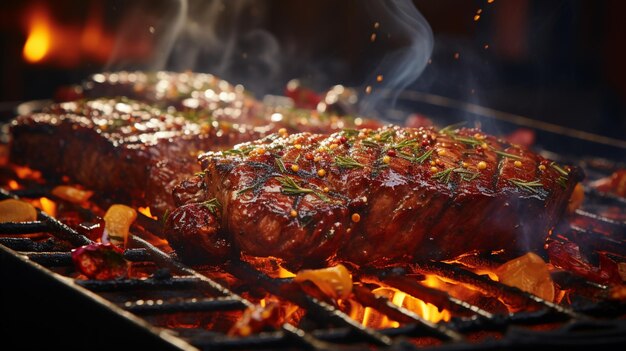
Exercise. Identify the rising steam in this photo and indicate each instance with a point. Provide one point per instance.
(403, 66)
(229, 39)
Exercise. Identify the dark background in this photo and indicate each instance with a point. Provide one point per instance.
(557, 61)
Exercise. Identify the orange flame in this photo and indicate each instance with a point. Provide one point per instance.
(372, 318)
(66, 44)
(146, 212)
(38, 42)
(46, 205)
(283, 273)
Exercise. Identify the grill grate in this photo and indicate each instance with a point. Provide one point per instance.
(178, 289)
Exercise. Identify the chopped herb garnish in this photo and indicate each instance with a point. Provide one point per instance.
(505, 154)
(238, 152)
(466, 175)
(387, 135)
(424, 156)
(562, 180)
(347, 162)
(405, 143)
(280, 164)
(451, 129)
(416, 159)
(349, 133)
(559, 169)
(370, 143)
(290, 187)
(213, 205)
(443, 176)
(468, 140)
(446, 175)
(528, 186)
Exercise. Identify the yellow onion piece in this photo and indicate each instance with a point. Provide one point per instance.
(117, 223)
(17, 211)
(72, 194)
(335, 282)
(529, 273)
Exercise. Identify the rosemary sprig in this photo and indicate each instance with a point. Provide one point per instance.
(370, 143)
(416, 159)
(347, 162)
(506, 154)
(469, 141)
(213, 205)
(290, 187)
(280, 165)
(562, 180)
(446, 175)
(451, 129)
(559, 169)
(443, 176)
(349, 133)
(387, 135)
(238, 152)
(405, 143)
(466, 174)
(528, 186)
(424, 156)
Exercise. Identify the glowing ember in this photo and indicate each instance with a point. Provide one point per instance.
(13, 185)
(529, 273)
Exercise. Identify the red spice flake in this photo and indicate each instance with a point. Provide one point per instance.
(342, 139)
(308, 156)
(100, 261)
(391, 153)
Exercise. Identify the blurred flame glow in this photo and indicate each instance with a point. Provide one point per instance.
(38, 42)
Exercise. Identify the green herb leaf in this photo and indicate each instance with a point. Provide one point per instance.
(370, 143)
(505, 154)
(451, 129)
(466, 174)
(279, 163)
(290, 187)
(424, 156)
(468, 140)
(347, 162)
(532, 186)
(213, 205)
(443, 176)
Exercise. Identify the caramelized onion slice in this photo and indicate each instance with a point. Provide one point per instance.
(117, 223)
(529, 273)
(335, 282)
(72, 194)
(17, 211)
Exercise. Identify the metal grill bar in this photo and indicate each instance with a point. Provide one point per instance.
(60, 259)
(508, 293)
(367, 298)
(187, 305)
(139, 284)
(319, 309)
(23, 227)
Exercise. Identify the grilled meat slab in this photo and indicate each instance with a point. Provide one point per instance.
(134, 135)
(128, 150)
(372, 197)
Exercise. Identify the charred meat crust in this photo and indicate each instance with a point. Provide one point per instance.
(383, 196)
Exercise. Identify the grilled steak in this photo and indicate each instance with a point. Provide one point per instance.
(129, 150)
(135, 151)
(370, 197)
